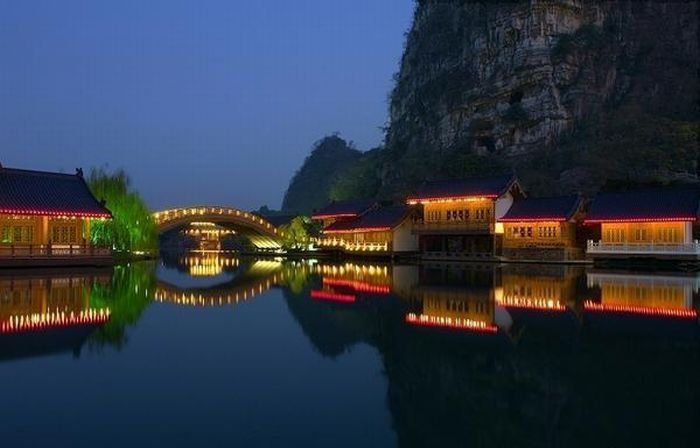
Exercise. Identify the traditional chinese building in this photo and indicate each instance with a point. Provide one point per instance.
(385, 230)
(459, 218)
(653, 223)
(47, 216)
(542, 229)
(343, 211)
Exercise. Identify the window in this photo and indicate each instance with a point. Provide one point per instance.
(640, 234)
(615, 235)
(64, 234)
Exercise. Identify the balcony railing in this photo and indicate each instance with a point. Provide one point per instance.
(599, 247)
(453, 227)
(52, 251)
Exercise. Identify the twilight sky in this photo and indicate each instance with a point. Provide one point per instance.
(201, 101)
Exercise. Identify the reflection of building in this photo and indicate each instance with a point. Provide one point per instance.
(646, 223)
(40, 303)
(46, 218)
(342, 283)
(542, 229)
(383, 230)
(455, 297)
(459, 217)
(546, 288)
(653, 295)
(207, 266)
(207, 234)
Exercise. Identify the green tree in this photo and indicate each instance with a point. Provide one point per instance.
(298, 233)
(132, 228)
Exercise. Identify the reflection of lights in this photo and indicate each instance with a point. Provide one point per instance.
(332, 296)
(54, 319)
(450, 322)
(534, 304)
(647, 311)
(179, 297)
(357, 285)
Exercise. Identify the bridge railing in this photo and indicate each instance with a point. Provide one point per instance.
(164, 216)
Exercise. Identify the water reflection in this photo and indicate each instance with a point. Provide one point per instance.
(472, 355)
(49, 312)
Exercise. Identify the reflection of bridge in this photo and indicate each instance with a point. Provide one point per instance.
(261, 276)
(261, 233)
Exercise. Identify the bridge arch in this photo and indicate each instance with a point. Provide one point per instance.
(261, 233)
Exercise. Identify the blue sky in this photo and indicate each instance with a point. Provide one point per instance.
(212, 102)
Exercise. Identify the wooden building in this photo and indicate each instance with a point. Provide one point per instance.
(385, 230)
(542, 229)
(459, 218)
(652, 223)
(45, 218)
(343, 211)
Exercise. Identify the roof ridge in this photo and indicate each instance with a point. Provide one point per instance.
(37, 172)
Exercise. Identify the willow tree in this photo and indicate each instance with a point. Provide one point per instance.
(298, 234)
(132, 228)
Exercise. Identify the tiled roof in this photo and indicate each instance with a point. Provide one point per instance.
(458, 188)
(381, 219)
(44, 193)
(660, 204)
(344, 209)
(279, 220)
(560, 208)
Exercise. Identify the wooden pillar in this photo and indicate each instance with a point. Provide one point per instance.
(86, 230)
(44, 230)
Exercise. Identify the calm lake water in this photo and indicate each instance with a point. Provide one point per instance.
(213, 350)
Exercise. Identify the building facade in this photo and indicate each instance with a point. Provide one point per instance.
(542, 229)
(653, 223)
(47, 215)
(459, 218)
(386, 230)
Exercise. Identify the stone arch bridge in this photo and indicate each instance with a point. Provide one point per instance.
(261, 233)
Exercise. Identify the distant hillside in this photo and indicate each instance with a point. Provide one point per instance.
(310, 187)
(573, 95)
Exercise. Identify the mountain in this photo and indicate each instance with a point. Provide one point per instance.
(310, 187)
(572, 95)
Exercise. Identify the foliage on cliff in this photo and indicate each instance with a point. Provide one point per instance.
(310, 187)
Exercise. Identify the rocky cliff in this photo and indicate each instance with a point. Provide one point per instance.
(509, 80)
(310, 187)
(571, 94)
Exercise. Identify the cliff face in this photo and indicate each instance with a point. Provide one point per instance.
(310, 187)
(505, 81)
(573, 95)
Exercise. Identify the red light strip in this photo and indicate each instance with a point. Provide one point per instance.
(358, 286)
(337, 215)
(532, 304)
(455, 323)
(535, 219)
(360, 230)
(623, 220)
(647, 311)
(332, 296)
(54, 213)
(56, 319)
(416, 200)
